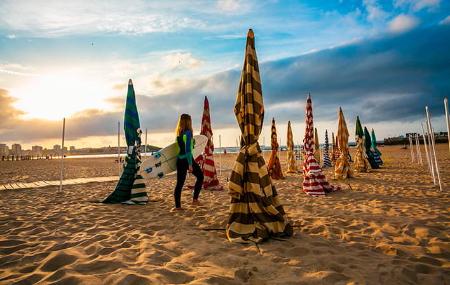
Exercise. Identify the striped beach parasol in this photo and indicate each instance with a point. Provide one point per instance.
(369, 152)
(292, 166)
(361, 163)
(206, 161)
(333, 149)
(375, 148)
(342, 168)
(131, 186)
(326, 157)
(314, 181)
(255, 210)
(316, 146)
(274, 165)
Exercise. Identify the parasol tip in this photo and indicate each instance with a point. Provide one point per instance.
(130, 82)
(250, 33)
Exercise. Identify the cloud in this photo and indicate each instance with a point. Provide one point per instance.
(386, 81)
(445, 21)
(374, 11)
(403, 23)
(8, 113)
(16, 69)
(56, 18)
(233, 6)
(417, 5)
(178, 60)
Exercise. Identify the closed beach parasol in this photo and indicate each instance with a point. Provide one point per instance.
(326, 157)
(131, 186)
(206, 161)
(255, 211)
(370, 153)
(342, 168)
(316, 146)
(361, 162)
(274, 165)
(292, 166)
(314, 181)
(375, 148)
(333, 149)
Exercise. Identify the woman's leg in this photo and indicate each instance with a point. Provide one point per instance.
(182, 167)
(197, 171)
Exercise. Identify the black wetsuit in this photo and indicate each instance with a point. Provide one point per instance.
(185, 159)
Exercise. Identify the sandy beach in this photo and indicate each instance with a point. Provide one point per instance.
(390, 226)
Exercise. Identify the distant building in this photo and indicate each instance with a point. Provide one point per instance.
(65, 149)
(72, 148)
(4, 150)
(37, 150)
(57, 148)
(16, 149)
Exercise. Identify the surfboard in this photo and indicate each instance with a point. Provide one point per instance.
(163, 162)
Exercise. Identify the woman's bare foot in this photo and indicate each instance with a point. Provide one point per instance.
(176, 209)
(195, 202)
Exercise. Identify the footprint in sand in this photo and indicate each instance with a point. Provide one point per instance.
(173, 277)
(57, 261)
(159, 258)
(132, 279)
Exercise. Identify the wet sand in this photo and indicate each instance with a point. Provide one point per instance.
(389, 226)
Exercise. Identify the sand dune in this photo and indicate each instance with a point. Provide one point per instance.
(389, 226)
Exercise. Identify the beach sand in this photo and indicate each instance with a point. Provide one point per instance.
(390, 226)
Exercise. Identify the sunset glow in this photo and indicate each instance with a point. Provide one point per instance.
(60, 94)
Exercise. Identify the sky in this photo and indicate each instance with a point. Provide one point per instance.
(381, 60)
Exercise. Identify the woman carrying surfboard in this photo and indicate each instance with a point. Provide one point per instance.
(185, 161)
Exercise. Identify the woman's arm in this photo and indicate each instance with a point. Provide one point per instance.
(189, 147)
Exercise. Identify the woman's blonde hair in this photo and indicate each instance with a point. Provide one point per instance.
(184, 123)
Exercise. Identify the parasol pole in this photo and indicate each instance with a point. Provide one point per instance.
(118, 145)
(145, 147)
(411, 148)
(61, 177)
(447, 121)
(434, 148)
(430, 150)
(419, 153)
(426, 150)
(221, 154)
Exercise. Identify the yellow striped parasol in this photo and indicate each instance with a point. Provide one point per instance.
(255, 211)
(342, 168)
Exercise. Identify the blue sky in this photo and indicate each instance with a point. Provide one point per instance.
(382, 60)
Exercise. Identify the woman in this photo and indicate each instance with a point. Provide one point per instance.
(185, 161)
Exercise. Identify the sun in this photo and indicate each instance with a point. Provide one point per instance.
(56, 95)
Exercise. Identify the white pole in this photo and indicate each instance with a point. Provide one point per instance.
(426, 150)
(221, 154)
(118, 145)
(447, 121)
(145, 147)
(419, 153)
(61, 177)
(411, 148)
(430, 150)
(434, 148)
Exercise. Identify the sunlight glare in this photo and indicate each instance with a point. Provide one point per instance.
(56, 95)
